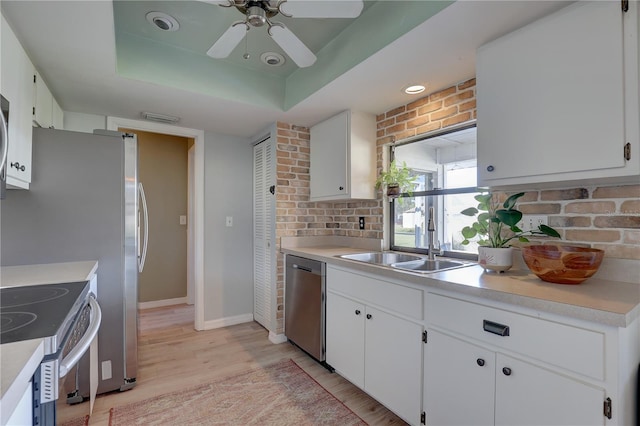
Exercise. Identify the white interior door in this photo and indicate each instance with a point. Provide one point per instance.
(264, 297)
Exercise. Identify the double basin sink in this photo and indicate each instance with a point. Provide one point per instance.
(404, 261)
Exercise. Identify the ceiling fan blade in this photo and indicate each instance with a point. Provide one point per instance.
(229, 40)
(321, 8)
(292, 46)
(218, 2)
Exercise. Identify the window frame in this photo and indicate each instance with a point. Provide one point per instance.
(427, 193)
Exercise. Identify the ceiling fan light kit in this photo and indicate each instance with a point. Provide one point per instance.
(259, 12)
(272, 59)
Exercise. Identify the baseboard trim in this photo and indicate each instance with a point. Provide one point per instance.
(161, 303)
(277, 338)
(227, 321)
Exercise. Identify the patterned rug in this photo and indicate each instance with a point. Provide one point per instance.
(280, 394)
(78, 421)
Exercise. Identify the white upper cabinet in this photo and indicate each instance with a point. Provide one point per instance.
(343, 157)
(57, 115)
(17, 87)
(30, 103)
(558, 99)
(46, 111)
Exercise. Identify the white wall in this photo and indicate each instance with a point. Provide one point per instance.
(80, 122)
(228, 251)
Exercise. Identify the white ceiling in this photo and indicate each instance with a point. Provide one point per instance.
(73, 46)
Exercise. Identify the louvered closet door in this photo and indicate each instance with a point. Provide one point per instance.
(263, 233)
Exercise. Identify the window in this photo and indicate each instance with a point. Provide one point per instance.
(445, 166)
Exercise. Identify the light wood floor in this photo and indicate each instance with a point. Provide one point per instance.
(173, 356)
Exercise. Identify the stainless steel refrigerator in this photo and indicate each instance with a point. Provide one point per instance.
(84, 204)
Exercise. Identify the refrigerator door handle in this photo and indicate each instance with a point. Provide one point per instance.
(5, 144)
(145, 213)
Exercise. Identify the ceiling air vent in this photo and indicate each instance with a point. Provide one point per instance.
(161, 118)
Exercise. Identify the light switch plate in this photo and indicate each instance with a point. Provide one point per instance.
(183, 219)
(229, 221)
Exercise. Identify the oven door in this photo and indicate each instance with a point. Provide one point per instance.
(57, 378)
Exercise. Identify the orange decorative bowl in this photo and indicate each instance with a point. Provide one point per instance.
(562, 264)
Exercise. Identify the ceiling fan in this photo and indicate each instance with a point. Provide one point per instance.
(259, 12)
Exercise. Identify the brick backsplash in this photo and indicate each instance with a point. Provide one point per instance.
(606, 217)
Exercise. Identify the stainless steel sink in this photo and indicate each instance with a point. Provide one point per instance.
(381, 257)
(426, 265)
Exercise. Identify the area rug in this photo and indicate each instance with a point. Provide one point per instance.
(78, 421)
(280, 394)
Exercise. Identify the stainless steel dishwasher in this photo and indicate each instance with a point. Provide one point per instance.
(304, 306)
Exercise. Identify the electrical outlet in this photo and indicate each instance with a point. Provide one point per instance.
(531, 222)
(361, 222)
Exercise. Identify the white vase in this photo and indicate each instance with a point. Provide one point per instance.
(495, 259)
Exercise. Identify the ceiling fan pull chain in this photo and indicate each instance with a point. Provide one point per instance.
(246, 47)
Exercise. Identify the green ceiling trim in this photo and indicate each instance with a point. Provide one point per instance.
(377, 27)
(142, 59)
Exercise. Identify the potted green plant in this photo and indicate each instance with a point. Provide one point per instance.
(496, 226)
(396, 179)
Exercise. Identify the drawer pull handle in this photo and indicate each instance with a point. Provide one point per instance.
(506, 371)
(357, 311)
(480, 362)
(368, 316)
(495, 328)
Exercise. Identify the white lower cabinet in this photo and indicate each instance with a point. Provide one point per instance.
(374, 349)
(345, 337)
(458, 374)
(467, 384)
(527, 394)
(23, 412)
(484, 362)
(497, 364)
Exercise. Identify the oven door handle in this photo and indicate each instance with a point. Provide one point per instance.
(83, 345)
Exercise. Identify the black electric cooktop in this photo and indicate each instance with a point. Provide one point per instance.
(40, 311)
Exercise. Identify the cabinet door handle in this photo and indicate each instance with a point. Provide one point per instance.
(341, 188)
(357, 311)
(368, 316)
(18, 166)
(495, 328)
(490, 168)
(480, 362)
(506, 371)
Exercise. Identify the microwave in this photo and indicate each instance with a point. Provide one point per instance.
(4, 130)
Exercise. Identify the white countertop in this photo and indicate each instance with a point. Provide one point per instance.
(47, 273)
(597, 299)
(19, 360)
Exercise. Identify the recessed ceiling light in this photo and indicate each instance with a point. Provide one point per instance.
(163, 21)
(413, 89)
(272, 59)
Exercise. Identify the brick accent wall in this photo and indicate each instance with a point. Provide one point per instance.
(438, 110)
(296, 216)
(602, 217)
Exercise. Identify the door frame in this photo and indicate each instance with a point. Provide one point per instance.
(113, 123)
